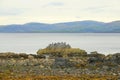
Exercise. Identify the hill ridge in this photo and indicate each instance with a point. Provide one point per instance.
(86, 26)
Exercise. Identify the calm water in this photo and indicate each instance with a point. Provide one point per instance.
(30, 42)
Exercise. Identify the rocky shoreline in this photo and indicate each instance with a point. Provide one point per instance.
(76, 66)
(94, 64)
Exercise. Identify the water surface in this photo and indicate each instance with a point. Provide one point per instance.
(30, 42)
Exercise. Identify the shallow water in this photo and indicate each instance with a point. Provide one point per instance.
(30, 42)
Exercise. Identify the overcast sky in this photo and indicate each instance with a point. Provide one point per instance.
(54, 11)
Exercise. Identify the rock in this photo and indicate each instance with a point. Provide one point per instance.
(58, 45)
(61, 63)
(113, 58)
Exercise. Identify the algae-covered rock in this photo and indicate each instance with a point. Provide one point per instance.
(61, 50)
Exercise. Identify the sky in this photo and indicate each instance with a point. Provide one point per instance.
(55, 11)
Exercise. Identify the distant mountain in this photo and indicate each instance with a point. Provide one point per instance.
(87, 26)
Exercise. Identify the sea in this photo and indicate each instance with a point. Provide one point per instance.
(30, 43)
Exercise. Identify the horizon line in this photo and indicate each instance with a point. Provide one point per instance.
(57, 22)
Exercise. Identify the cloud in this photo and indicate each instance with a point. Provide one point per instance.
(77, 17)
(103, 10)
(53, 4)
(59, 10)
(10, 12)
(96, 9)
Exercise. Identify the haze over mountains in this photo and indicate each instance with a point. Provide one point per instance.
(87, 26)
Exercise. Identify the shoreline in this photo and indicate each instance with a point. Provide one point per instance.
(34, 66)
(59, 61)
